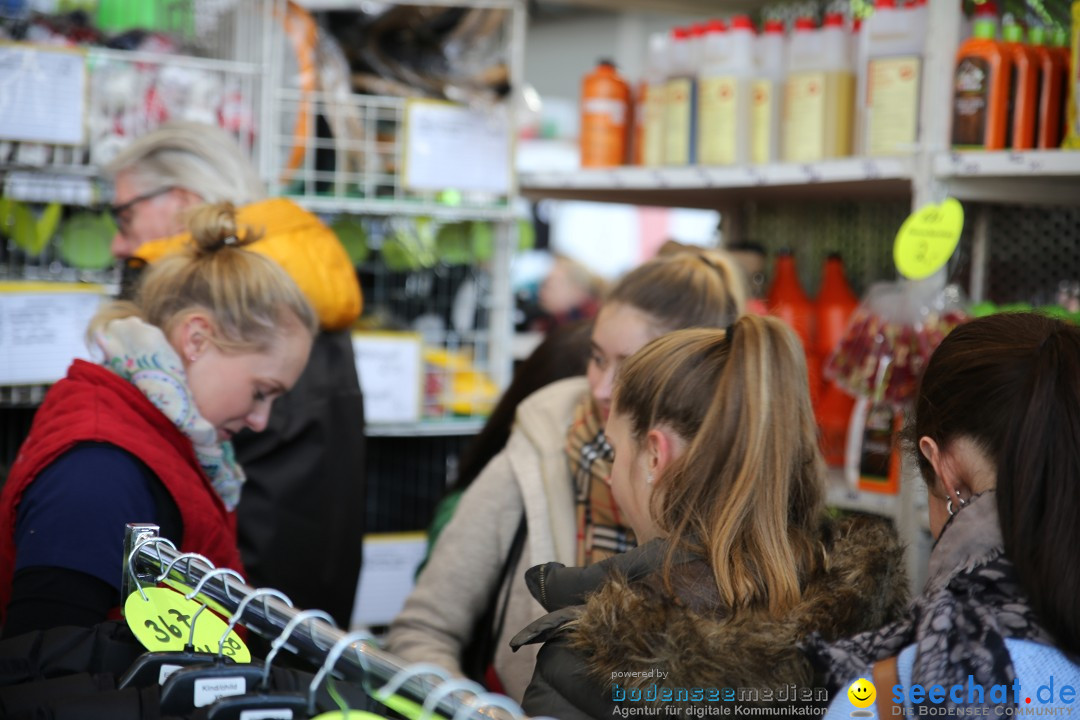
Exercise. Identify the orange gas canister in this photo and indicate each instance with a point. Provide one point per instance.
(1052, 77)
(981, 87)
(605, 117)
(835, 303)
(787, 300)
(1023, 90)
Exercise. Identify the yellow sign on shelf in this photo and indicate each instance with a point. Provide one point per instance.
(928, 238)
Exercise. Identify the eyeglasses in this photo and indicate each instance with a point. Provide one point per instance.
(121, 213)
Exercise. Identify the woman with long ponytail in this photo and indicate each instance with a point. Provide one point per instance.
(718, 471)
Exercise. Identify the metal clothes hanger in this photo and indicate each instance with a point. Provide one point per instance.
(150, 667)
(332, 656)
(198, 685)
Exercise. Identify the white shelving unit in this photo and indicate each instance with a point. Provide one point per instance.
(367, 182)
(930, 174)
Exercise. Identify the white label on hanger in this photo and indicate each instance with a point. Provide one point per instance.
(209, 690)
(165, 671)
(272, 714)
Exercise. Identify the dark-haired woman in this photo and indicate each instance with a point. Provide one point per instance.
(215, 333)
(997, 434)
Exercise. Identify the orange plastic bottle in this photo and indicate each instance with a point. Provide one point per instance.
(1051, 84)
(605, 117)
(835, 303)
(787, 301)
(981, 87)
(1024, 88)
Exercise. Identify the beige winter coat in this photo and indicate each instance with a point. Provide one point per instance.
(531, 475)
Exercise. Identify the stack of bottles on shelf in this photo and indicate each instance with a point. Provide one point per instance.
(722, 93)
(1013, 92)
(820, 325)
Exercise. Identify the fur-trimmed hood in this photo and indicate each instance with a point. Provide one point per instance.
(629, 624)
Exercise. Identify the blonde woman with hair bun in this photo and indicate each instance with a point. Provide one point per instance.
(300, 522)
(717, 470)
(214, 334)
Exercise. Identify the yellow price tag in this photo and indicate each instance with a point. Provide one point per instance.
(162, 622)
(928, 238)
(348, 715)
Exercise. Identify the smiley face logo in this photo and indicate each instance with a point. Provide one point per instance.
(862, 693)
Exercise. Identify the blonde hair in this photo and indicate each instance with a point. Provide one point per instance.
(249, 296)
(748, 492)
(691, 288)
(201, 158)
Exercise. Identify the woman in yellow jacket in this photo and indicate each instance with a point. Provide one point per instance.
(301, 511)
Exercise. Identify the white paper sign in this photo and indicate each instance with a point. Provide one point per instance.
(42, 95)
(43, 331)
(387, 576)
(449, 146)
(390, 366)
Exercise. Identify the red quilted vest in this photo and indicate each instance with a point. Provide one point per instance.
(93, 404)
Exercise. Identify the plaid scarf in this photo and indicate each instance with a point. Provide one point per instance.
(600, 529)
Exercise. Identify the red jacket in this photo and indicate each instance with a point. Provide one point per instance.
(93, 404)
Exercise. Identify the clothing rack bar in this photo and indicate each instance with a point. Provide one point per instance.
(268, 616)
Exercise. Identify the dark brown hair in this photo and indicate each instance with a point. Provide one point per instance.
(748, 492)
(1011, 384)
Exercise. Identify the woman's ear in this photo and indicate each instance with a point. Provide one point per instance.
(192, 337)
(663, 445)
(944, 467)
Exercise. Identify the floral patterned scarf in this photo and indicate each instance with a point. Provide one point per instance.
(140, 353)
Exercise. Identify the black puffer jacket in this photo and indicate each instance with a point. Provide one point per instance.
(614, 634)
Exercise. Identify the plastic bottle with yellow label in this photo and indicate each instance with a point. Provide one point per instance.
(891, 50)
(724, 94)
(820, 92)
(652, 111)
(767, 93)
(680, 100)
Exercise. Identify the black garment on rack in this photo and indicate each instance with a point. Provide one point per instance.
(300, 521)
(71, 673)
